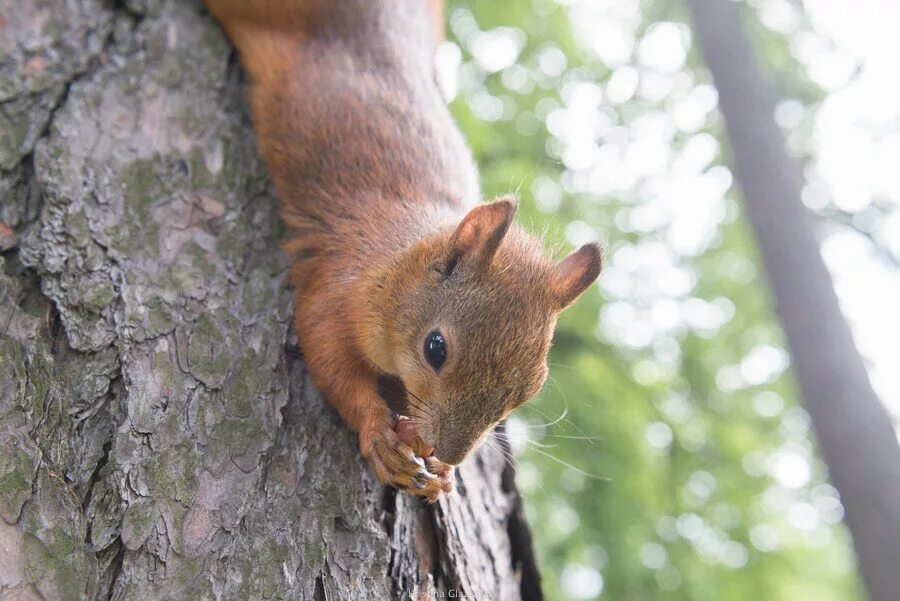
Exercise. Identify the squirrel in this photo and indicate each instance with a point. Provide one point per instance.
(425, 317)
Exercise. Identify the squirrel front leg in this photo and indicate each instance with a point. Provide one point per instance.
(352, 389)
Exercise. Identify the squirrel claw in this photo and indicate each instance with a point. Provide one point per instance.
(441, 471)
(396, 464)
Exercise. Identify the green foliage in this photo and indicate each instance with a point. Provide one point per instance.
(679, 464)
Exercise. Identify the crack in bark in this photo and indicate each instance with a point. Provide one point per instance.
(320, 594)
(95, 477)
(523, 558)
(116, 568)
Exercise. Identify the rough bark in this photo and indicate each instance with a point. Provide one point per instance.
(158, 439)
(853, 428)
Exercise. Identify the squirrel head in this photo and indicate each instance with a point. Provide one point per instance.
(465, 320)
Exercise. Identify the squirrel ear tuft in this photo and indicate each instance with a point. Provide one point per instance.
(479, 234)
(573, 275)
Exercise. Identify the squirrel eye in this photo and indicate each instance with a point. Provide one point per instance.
(435, 349)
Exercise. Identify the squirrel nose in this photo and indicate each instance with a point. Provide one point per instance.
(454, 440)
(451, 454)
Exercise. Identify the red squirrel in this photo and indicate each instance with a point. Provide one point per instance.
(402, 277)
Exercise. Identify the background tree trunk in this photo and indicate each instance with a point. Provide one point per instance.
(854, 430)
(156, 440)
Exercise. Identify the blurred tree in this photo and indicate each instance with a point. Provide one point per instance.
(853, 427)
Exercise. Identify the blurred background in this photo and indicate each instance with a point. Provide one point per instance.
(670, 456)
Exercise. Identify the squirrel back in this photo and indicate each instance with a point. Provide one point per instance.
(346, 111)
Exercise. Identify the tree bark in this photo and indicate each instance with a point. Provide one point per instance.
(854, 430)
(157, 440)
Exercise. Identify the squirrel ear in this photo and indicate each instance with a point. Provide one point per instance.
(573, 275)
(480, 232)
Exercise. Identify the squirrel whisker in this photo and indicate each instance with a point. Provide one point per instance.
(527, 441)
(424, 406)
(572, 467)
(544, 435)
(510, 460)
(498, 433)
(562, 417)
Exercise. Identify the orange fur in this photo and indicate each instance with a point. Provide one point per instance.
(388, 242)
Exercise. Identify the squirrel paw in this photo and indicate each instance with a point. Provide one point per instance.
(396, 464)
(443, 471)
(406, 430)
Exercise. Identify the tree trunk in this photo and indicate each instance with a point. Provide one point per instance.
(854, 430)
(156, 439)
